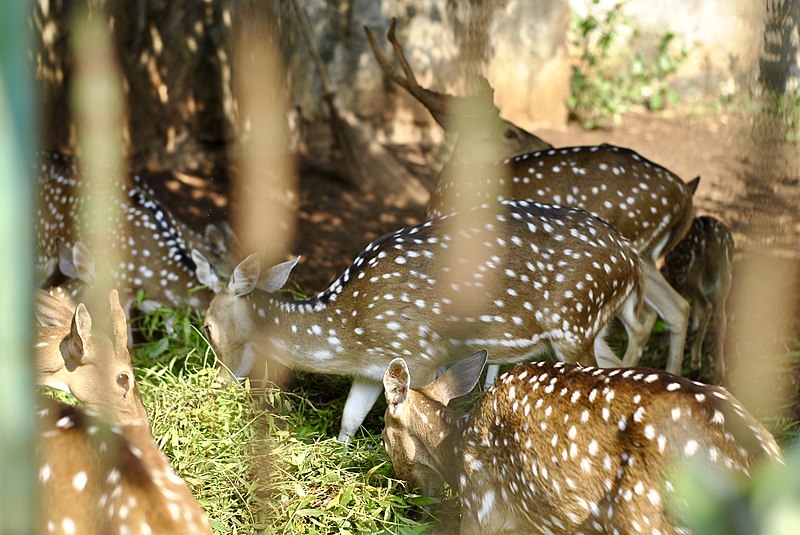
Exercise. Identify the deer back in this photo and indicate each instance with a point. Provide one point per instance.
(645, 202)
(101, 478)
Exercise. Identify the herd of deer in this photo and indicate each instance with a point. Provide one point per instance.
(545, 249)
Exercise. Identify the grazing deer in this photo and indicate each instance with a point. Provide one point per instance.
(700, 268)
(155, 248)
(548, 276)
(645, 202)
(558, 448)
(99, 470)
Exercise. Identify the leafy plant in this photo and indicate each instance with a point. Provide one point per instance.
(602, 87)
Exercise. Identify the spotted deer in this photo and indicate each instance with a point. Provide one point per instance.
(156, 245)
(645, 202)
(99, 469)
(557, 448)
(700, 267)
(550, 276)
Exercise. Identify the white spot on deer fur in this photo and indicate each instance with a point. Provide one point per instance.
(650, 378)
(487, 504)
(68, 525)
(64, 422)
(113, 477)
(79, 481)
(44, 473)
(673, 386)
(691, 447)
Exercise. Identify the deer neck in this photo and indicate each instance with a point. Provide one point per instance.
(306, 335)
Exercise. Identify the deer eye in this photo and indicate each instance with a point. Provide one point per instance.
(123, 380)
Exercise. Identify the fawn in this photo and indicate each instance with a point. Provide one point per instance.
(700, 267)
(553, 447)
(549, 276)
(99, 469)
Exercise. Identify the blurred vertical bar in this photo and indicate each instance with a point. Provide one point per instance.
(17, 124)
(96, 99)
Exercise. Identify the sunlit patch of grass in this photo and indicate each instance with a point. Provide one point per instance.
(276, 470)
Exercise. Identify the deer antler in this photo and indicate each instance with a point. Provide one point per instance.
(481, 105)
(439, 104)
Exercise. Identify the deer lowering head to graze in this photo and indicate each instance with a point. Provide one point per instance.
(99, 470)
(481, 119)
(558, 448)
(548, 277)
(645, 202)
(154, 245)
(700, 268)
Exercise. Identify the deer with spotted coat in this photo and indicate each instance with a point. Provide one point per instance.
(645, 202)
(557, 448)
(547, 276)
(99, 469)
(155, 245)
(700, 267)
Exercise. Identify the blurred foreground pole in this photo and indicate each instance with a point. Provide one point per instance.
(17, 473)
(97, 105)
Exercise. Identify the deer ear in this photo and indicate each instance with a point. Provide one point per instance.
(83, 262)
(245, 276)
(49, 311)
(459, 380)
(79, 333)
(221, 239)
(215, 239)
(66, 264)
(119, 324)
(275, 277)
(396, 383)
(693, 184)
(205, 272)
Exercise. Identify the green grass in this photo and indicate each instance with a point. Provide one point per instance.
(267, 461)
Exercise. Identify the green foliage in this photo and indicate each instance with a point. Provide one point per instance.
(713, 502)
(602, 87)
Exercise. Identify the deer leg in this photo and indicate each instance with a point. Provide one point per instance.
(362, 396)
(603, 353)
(492, 371)
(673, 308)
(702, 309)
(638, 323)
(721, 325)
